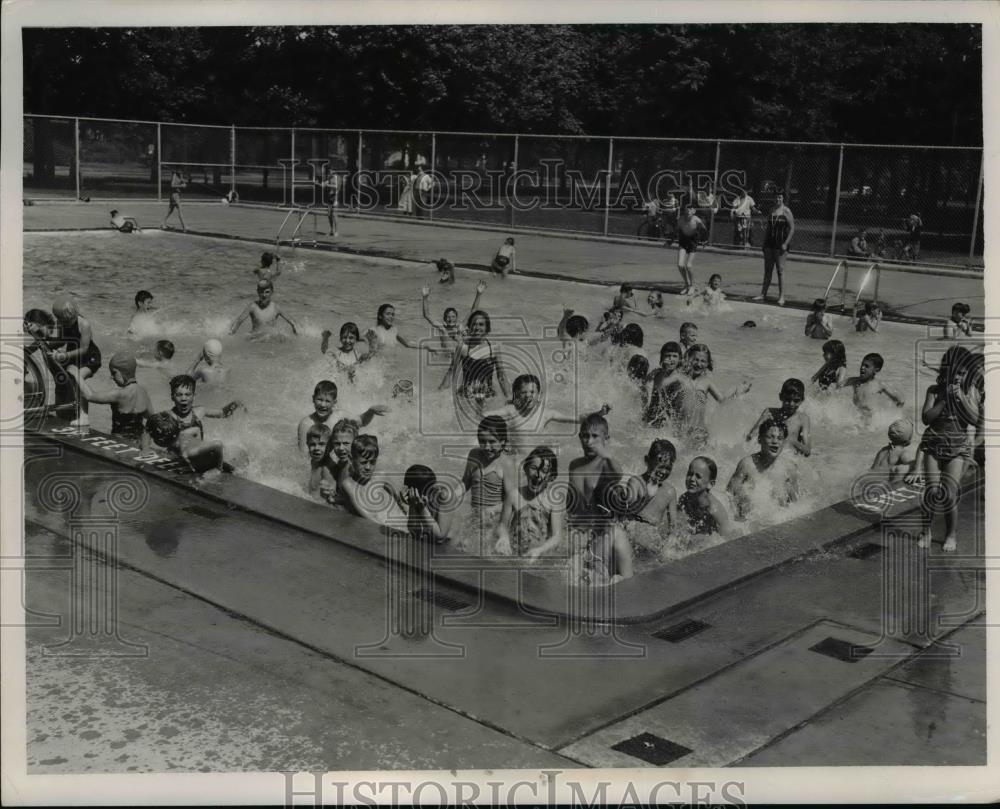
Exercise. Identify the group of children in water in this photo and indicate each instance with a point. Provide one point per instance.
(517, 504)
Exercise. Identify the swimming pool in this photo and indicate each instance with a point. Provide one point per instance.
(201, 284)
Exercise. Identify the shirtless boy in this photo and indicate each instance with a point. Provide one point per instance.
(263, 312)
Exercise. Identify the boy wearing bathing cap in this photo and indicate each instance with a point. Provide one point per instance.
(263, 312)
(129, 400)
(899, 456)
(208, 367)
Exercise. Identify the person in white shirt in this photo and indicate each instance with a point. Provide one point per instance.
(742, 210)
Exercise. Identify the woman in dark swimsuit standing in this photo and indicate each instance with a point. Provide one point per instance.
(780, 228)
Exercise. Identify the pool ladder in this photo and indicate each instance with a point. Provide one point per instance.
(844, 268)
(295, 240)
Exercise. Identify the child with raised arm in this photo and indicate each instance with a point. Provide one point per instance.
(385, 335)
(208, 367)
(712, 296)
(866, 386)
(363, 495)
(190, 443)
(698, 508)
(833, 372)
(958, 325)
(867, 317)
(533, 516)
(263, 312)
(505, 261)
(347, 357)
(797, 425)
(610, 326)
(322, 483)
(270, 266)
(897, 458)
(768, 465)
(625, 301)
(819, 324)
(951, 407)
(124, 224)
(428, 516)
(699, 367)
(479, 362)
(325, 411)
(486, 469)
(601, 551)
(667, 384)
(129, 400)
(447, 329)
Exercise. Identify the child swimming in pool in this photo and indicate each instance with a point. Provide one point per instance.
(699, 368)
(625, 301)
(867, 317)
(142, 318)
(698, 507)
(338, 455)
(322, 483)
(208, 367)
(486, 469)
(897, 458)
(347, 357)
(263, 312)
(610, 326)
(958, 325)
(833, 371)
(446, 271)
(712, 296)
(652, 500)
(190, 443)
(129, 400)
(797, 425)
(655, 301)
(480, 362)
(688, 336)
(270, 266)
(867, 387)
(819, 324)
(533, 516)
(326, 411)
(364, 495)
(385, 335)
(768, 465)
(601, 553)
(523, 414)
(427, 518)
(163, 359)
(667, 384)
(447, 329)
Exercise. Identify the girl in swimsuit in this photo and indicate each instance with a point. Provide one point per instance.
(486, 469)
(533, 517)
(950, 408)
(385, 334)
(447, 329)
(701, 509)
(479, 362)
(129, 402)
(347, 356)
(833, 371)
(177, 182)
(691, 408)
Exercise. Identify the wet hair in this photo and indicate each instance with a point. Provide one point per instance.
(182, 381)
(837, 352)
(961, 308)
(451, 309)
(792, 385)
(638, 368)
(350, 328)
(768, 424)
(421, 478)
(365, 447)
(345, 426)
(166, 348)
(687, 325)
(876, 360)
(320, 431)
(479, 313)
(267, 258)
(660, 448)
(670, 347)
(163, 429)
(494, 425)
(547, 457)
(595, 420)
(39, 317)
(956, 360)
(819, 304)
(694, 349)
(142, 295)
(631, 335)
(625, 289)
(526, 379)
(713, 276)
(382, 310)
(325, 386)
(713, 470)
(576, 325)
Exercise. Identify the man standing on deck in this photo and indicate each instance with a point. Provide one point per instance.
(780, 228)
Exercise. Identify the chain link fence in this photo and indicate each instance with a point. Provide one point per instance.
(897, 203)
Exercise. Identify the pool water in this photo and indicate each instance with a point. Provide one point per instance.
(200, 285)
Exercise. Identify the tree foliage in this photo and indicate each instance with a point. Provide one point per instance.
(889, 83)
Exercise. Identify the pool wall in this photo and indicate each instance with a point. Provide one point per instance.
(90, 461)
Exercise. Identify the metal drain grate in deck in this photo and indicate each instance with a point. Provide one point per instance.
(450, 603)
(200, 511)
(866, 551)
(652, 749)
(841, 650)
(682, 631)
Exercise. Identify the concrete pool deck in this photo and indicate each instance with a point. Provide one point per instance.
(270, 650)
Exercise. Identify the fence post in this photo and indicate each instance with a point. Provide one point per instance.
(979, 200)
(291, 167)
(607, 183)
(159, 163)
(76, 154)
(715, 191)
(357, 184)
(430, 208)
(836, 202)
(514, 175)
(232, 158)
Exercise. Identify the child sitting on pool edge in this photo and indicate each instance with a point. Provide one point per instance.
(129, 400)
(898, 457)
(505, 261)
(124, 224)
(325, 411)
